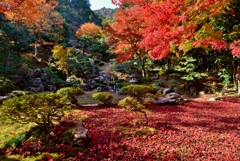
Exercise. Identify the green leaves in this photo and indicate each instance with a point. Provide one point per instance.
(137, 91)
(103, 97)
(187, 68)
(42, 108)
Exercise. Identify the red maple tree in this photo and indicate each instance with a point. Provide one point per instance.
(172, 22)
(126, 34)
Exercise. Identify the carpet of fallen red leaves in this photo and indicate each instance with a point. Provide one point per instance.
(194, 131)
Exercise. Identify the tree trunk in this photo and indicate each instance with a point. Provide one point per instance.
(35, 49)
(238, 88)
(143, 70)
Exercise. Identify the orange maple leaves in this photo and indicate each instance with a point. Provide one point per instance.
(89, 29)
(25, 10)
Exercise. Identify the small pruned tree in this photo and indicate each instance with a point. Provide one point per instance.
(103, 97)
(136, 91)
(44, 108)
(71, 93)
(132, 104)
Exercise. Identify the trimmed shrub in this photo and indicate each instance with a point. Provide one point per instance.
(71, 93)
(132, 104)
(101, 63)
(6, 85)
(103, 97)
(137, 91)
(96, 61)
(153, 89)
(43, 108)
(122, 84)
(159, 82)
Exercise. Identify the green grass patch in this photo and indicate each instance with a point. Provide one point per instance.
(10, 129)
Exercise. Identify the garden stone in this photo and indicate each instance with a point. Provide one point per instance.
(133, 81)
(202, 93)
(212, 99)
(77, 136)
(171, 98)
(167, 90)
(37, 81)
(99, 89)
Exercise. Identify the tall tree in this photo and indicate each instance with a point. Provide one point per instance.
(126, 34)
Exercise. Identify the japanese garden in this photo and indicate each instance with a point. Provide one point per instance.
(151, 80)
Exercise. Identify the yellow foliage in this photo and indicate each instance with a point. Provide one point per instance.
(207, 31)
(59, 53)
(61, 56)
(186, 46)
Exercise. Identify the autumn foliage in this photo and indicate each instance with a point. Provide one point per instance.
(126, 33)
(175, 24)
(25, 10)
(194, 131)
(89, 29)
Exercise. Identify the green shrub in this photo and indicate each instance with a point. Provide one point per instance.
(101, 63)
(143, 80)
(96, 61)
(153, 89)
(43, 108)
(71, 93)
(137, 91)
(90, 55)
(17, 93)
(6, 85)
(132, 104)
(173, 82)
(122, 84)
(159, 82)
(57, 81)
(95, 85)
(104, 98)
(16, 141)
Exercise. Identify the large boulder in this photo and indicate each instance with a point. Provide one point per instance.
(171, 98)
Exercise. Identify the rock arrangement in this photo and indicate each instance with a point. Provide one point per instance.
(40, 81)
(98, 82)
